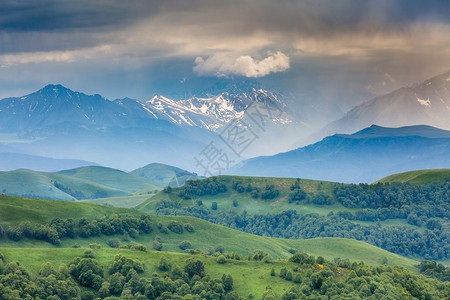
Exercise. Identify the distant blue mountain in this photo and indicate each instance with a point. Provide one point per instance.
(12, 161)
(364, 156)
(60, 123)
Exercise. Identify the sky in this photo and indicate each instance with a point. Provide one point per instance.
(338, 52)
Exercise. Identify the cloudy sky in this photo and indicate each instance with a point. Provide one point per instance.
(338, 51)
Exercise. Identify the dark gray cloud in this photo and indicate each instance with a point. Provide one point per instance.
(137, 47)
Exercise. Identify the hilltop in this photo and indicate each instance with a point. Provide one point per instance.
(418, 176)
(165, 175)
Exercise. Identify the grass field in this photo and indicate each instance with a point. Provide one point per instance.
(14, 210)
(123, 202)
(111, 178)
(419, 176)
(207, 236)
(52, 186)
(249, 277)
(251, 205)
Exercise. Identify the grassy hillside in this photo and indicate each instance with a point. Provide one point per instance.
(14, 210)
(249, 277)
(164, 175)
(247, 202)
(419, 176)
(206, 236)
(53, 186)
(111, 177)
(124, 201)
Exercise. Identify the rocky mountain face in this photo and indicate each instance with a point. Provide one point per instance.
(427, 103)
(127, 133)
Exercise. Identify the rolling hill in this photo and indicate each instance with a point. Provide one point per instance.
(53, 186)
(418, 176)
(165, 175)
(111, 178)
(14, 210)
(364, 156)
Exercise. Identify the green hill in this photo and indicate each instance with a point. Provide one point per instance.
(53, 186)
(248, 203)
(165, 175)
(207, 236)
(250, 278)
(418, 176)
(124, 201)
(111, 177)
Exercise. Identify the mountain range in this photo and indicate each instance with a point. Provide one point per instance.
(127, 133)
(364, 156)
(56, 122)
(423, 103)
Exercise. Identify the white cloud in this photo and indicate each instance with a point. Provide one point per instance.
(223, 65)
(53, 56)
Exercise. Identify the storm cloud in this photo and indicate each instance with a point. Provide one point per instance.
(132, 41)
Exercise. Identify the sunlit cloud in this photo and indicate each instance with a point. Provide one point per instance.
(8, 60)
(223, 65)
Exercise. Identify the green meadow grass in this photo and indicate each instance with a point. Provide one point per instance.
(27, 182)
(249, 277)
(251, 205)
(419, 176)
(113, 178)
(207, 236)
(123, 202)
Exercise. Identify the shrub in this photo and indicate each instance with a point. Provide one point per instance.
(188, 227)
(140, 247)
(175, 227)
(221, 259)
(164, 264)
(219, 249)
(114, 243)
(185, 245)
(157, 245)
(89, 253)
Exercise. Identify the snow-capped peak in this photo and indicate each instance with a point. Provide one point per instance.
(210, 113)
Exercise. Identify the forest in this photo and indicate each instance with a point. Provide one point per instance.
(86, 277)
(425, 205)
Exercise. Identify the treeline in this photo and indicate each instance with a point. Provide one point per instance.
(392, 195)
(59, 228)
(209, 186)
(321, 279)
(435, 270)
(430, 244)
(86, 278)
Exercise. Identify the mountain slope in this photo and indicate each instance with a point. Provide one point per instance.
(12, 161)
(164, 175)
(418, 176)
(14, 210)
(59, 123)
(361, 157)
(111, 178)
(56, 104)
(425, 103)
(213, 112)
(53, 186)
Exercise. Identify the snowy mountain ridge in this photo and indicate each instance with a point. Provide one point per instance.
(214, 112)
